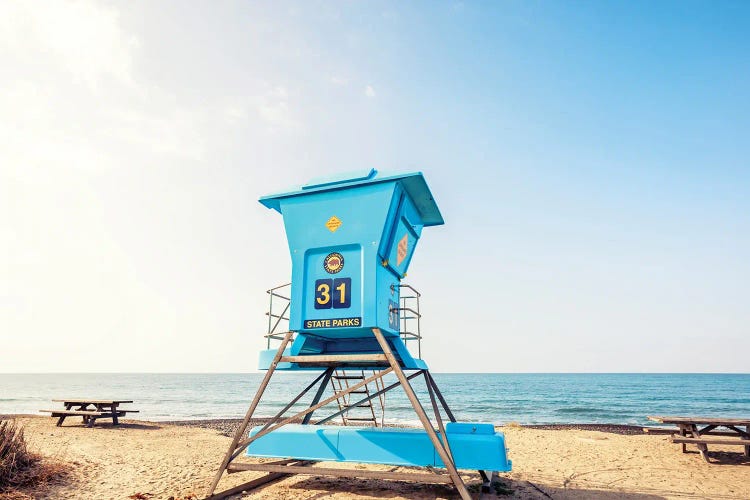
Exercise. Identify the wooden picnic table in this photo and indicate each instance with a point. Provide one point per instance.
(90, 410)
(690, 433)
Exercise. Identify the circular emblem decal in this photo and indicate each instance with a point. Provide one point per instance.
(333, 263)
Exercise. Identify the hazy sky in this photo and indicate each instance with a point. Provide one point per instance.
(591, 160)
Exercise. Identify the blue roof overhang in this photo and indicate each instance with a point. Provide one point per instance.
(413, 183)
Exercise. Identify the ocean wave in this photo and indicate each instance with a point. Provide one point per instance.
(586, 410)
(535, 398)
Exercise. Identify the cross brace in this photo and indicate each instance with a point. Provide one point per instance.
(279, 470)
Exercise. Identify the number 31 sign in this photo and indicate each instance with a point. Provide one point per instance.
(334, 293)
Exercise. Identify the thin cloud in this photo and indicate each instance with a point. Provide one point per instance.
(339, 81)
(369, 91)
(84, 39)
(275, 112)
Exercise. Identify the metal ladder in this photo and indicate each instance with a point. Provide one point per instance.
(363, 414)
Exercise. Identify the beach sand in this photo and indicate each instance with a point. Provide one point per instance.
(165, 460)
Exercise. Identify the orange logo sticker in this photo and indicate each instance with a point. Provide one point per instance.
(333, 263)
(333, 224)
(403, 247)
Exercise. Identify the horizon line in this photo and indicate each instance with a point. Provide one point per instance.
(257, 372)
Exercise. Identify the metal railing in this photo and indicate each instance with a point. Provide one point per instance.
(409, 317)
(408, 311)
(278, 313)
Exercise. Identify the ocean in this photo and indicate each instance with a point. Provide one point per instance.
(498, 397)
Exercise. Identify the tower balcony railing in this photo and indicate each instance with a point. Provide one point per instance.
(279, 300)
(409, 316)
(408, 312)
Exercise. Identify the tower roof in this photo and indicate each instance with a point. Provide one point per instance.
(413, 183)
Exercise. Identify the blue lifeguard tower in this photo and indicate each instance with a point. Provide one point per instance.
(351, 239)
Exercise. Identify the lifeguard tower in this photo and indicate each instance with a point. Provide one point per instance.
(351, 240)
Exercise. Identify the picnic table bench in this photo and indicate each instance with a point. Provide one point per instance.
(90, 410)
(688, 432)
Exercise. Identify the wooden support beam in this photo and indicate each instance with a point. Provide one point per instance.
(250, 485)
(369, 398)
(447, 461)
(335, 358)
(57, 413)
(738, 431)
(243, 444)
(705, 441)
(702, 448)
(280, 469)
(243, 427)
(707, 429)
(329, 471)
(699, 420)
(232, 467)
(657, 430)
(281, 412)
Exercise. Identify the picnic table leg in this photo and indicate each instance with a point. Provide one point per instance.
(88, 420)
(91, 418)
(83, 407)
(702, 448)
(683, 434)
(60, 420)
(110, 410)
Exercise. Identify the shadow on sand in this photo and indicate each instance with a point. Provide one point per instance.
(724, 457)
(323, 487)
(146, 426)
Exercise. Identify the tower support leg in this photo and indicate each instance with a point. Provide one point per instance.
(246, 421)
(278, 467)
(278, 470)
(442, 452)
(433, 390)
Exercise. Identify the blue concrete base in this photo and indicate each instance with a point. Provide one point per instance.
(474, 446)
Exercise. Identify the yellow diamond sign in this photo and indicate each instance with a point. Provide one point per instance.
(333, 224)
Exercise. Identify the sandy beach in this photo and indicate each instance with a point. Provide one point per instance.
(161, 461)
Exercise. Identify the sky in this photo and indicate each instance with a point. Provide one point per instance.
(591, 161)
